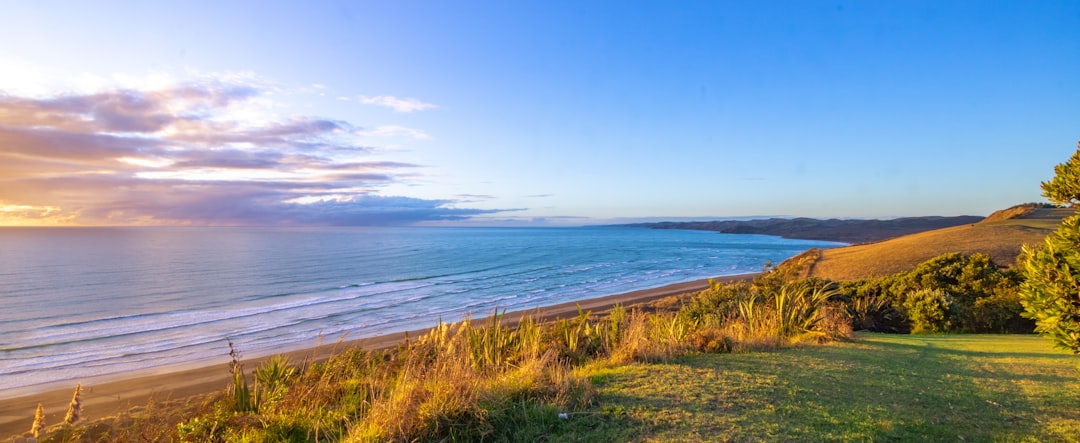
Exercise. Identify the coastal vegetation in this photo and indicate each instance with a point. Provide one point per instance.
(487, 381)
(949, 293)
(484, 380)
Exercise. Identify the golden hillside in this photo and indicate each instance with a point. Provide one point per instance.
(1000, 236)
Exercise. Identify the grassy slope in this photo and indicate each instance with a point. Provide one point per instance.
(1000, 239)
(879, 388)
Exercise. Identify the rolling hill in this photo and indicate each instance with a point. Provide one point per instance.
(1001, 236)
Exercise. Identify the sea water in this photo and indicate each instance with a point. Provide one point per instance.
(80, 303)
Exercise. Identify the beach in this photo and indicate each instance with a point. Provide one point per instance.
(119, 394)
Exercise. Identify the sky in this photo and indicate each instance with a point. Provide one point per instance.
(529, 113)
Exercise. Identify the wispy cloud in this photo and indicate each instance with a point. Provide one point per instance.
(209, 151)
(398, 104)
(395, 131)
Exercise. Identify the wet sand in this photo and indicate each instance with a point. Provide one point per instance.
(112, 397)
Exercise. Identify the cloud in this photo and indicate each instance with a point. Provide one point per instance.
(123, 111)
(395, 131)
(398, 104)
(378, 210)
(206, 152)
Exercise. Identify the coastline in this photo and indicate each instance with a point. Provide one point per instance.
(119, 394)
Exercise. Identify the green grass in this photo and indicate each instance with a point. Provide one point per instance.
(878, 388)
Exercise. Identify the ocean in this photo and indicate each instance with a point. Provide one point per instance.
(81, 303)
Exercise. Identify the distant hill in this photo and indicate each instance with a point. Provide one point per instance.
(1001, 235)
(847, 231)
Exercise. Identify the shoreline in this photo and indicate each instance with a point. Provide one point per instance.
(111, 397)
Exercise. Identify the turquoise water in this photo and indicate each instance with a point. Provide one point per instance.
(78, 303)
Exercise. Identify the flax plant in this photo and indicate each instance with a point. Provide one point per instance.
(241, 392)
(800, 307)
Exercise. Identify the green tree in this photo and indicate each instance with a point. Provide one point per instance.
(1064, 188)
(1051, 290)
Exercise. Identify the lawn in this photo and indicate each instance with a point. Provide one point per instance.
(877, 388)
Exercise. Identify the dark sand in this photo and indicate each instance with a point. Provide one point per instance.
(113, 397)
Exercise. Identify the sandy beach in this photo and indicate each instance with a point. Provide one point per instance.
(112, 397)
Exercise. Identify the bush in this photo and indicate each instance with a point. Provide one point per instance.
(930, 311)
(983, 296)
(714, 305)
(872, 306)
(711, 340)
(1001, 313)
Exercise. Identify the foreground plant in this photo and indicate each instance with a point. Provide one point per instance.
(1051, 292)
(39, 421)
(75, 407)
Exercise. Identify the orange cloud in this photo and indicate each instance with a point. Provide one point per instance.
(188, 155)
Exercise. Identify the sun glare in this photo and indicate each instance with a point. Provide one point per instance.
(146, 162)
(25, 215)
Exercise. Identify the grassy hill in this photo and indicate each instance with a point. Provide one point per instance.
(1000, 236)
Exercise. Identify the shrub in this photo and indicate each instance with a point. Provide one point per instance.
(876, 313)
(711, 340)
(983, 296)
(930, 311)
(1001, 313)
(835, 323)
(716, 304)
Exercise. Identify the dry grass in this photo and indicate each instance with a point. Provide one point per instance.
(999, 239)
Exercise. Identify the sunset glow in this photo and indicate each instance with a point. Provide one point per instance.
(658, 112)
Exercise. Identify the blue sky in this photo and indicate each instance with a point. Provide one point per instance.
(529, 113)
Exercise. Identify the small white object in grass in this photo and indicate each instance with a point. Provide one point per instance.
(564, 415)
